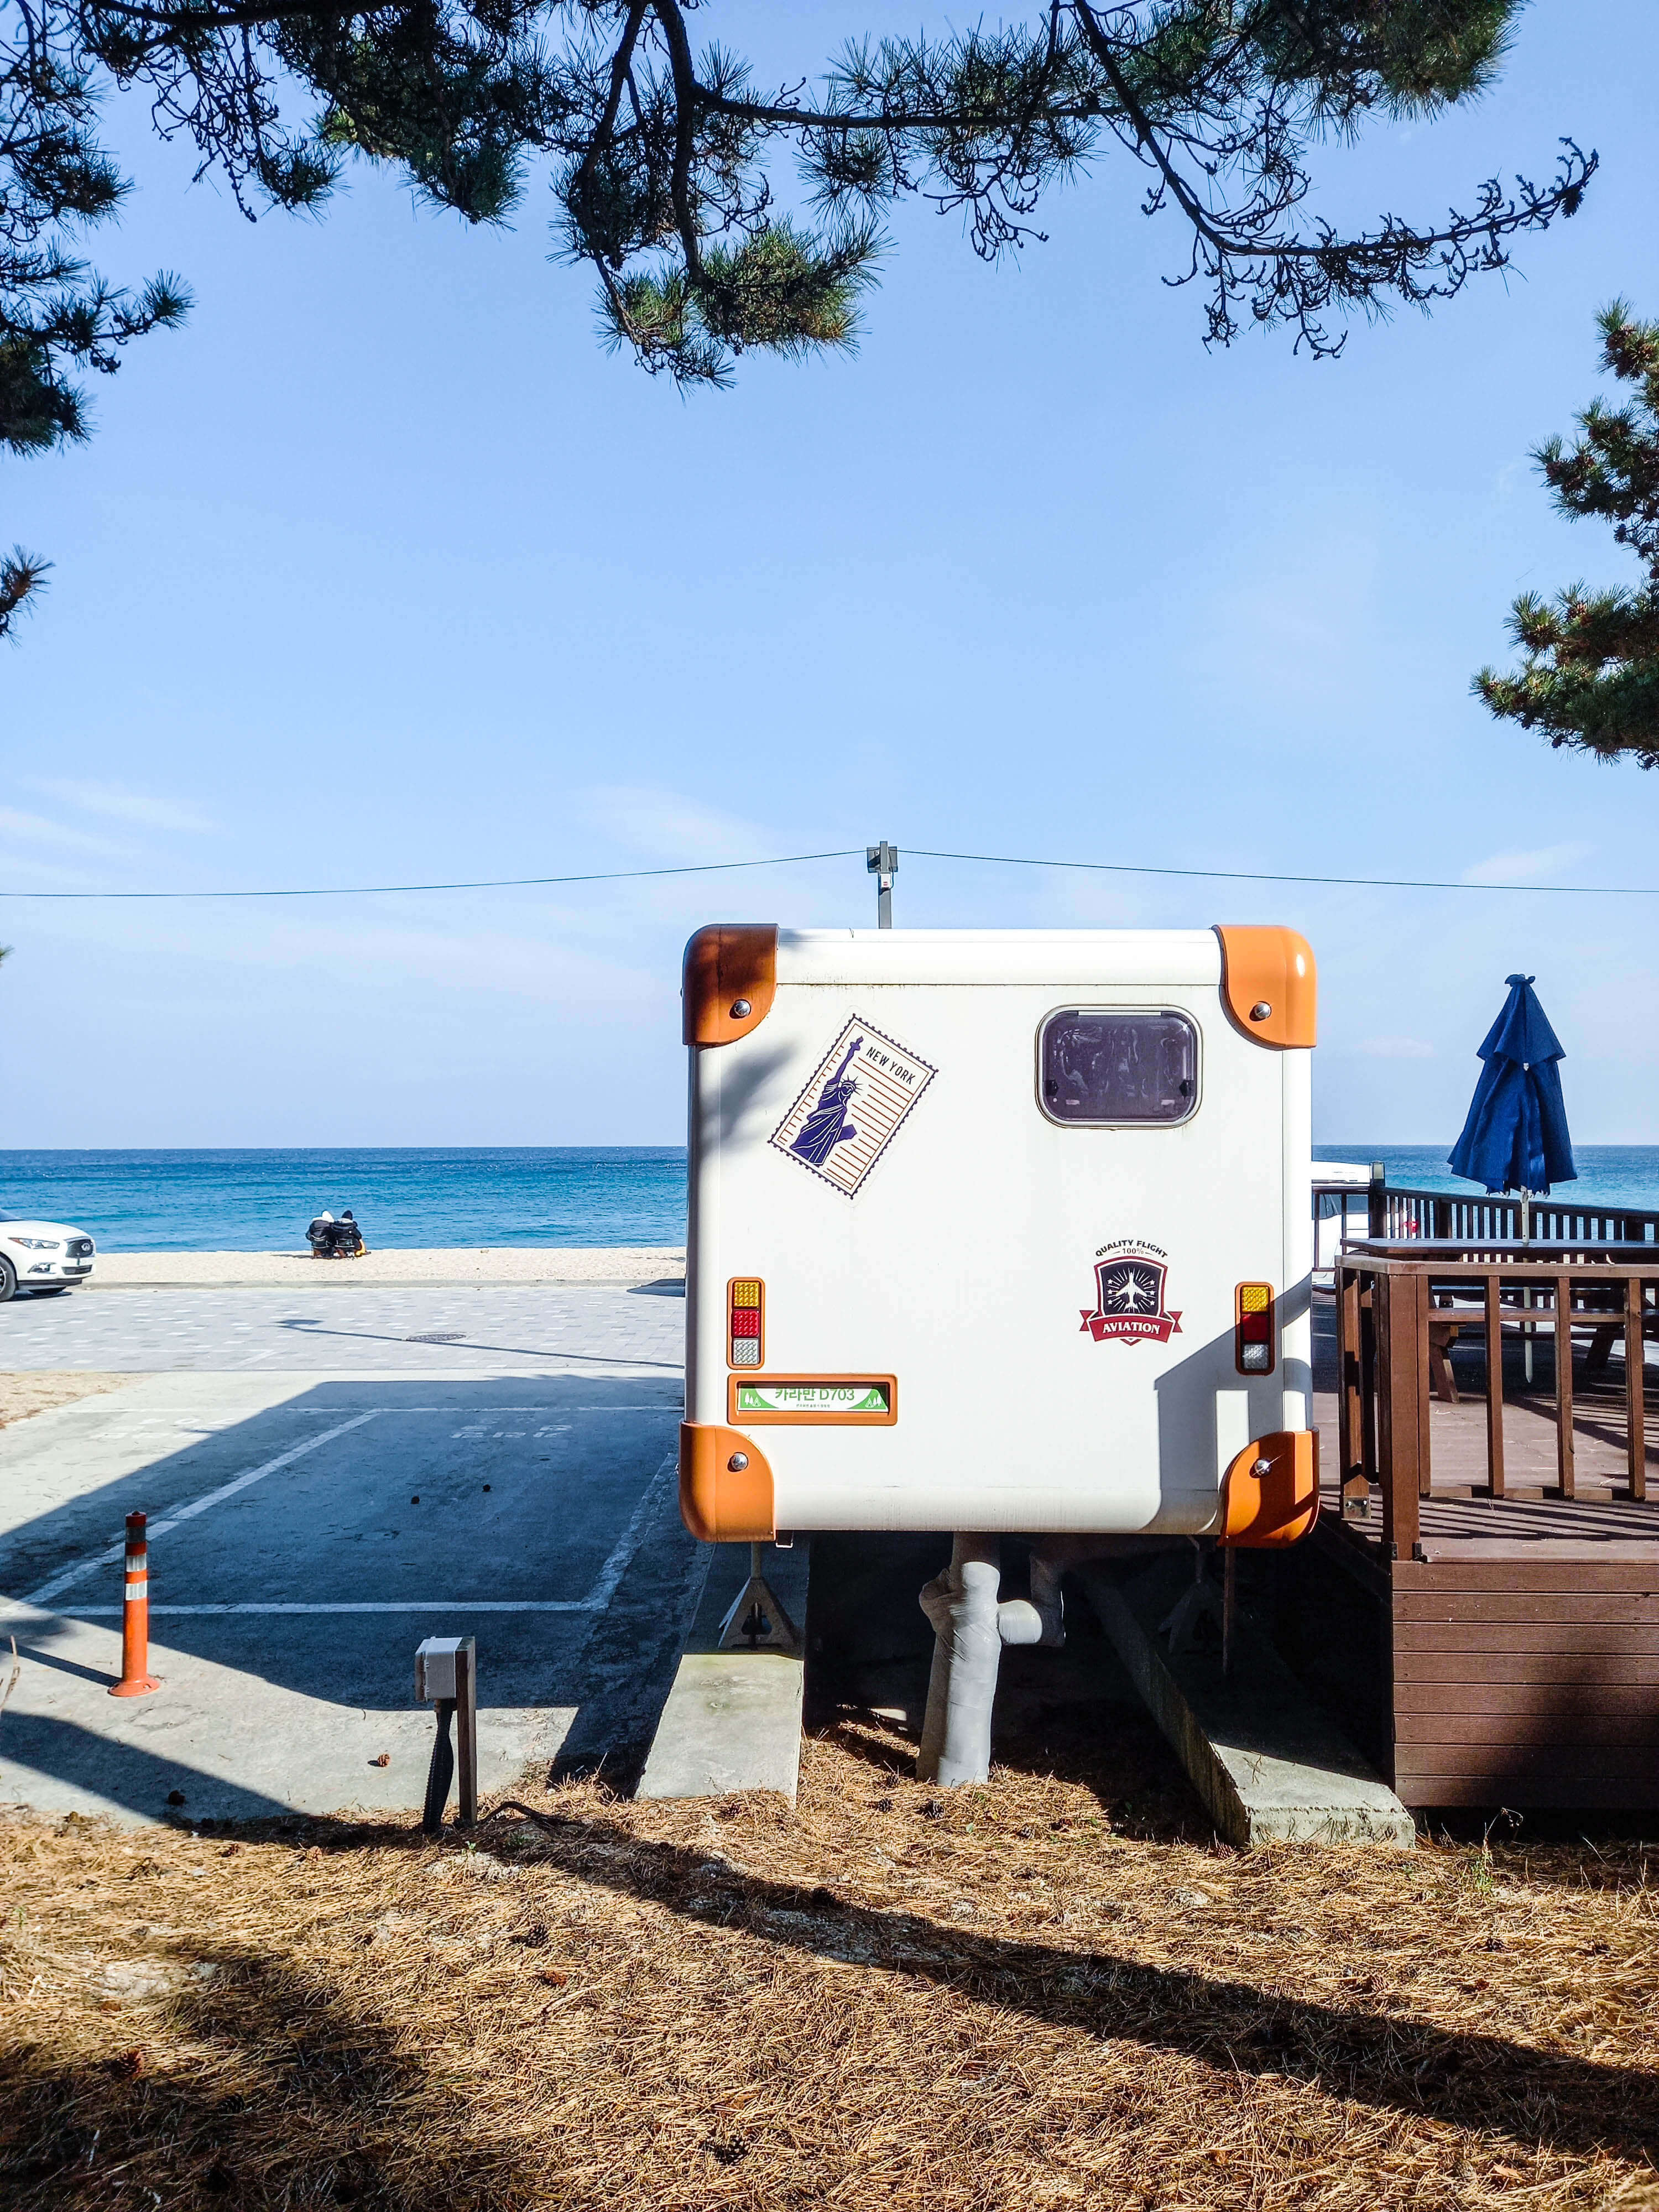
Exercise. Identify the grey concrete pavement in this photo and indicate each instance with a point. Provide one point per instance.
(293, 1571)
(492, 1330)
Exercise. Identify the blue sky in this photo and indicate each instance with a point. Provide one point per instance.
(383, 570)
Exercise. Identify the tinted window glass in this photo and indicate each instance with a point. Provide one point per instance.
(1100, 1064)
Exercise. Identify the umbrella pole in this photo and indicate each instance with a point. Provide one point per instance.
(1526, 1326)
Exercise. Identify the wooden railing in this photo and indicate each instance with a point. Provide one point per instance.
(1448, 1218)
(1398, 1304)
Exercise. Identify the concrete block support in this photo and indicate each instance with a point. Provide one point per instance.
(733, 1717)
(1269, 1764)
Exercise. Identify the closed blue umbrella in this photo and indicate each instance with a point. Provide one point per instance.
(1515, 1137)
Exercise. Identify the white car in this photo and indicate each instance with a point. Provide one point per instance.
(45, 1256)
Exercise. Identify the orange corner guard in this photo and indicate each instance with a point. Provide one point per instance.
(1271, 1493)
(1269, 984)
(730, 981)
(725, 1486)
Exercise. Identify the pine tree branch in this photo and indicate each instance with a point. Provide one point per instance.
(22, 581)
(673, 199)
(1589, 675)
(621, 66)
(687, 95)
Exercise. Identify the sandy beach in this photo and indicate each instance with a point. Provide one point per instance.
(515, 1264)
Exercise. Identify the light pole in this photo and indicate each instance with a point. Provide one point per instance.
(882, 861)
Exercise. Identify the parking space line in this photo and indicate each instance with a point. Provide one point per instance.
(188, 1511)
(596, 1600)
(628, 1542)
(390, 1604)
(177, 1415)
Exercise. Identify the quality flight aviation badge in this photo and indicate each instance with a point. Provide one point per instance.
(1130, 1286)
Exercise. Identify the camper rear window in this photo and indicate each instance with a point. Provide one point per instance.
(1107, 1064)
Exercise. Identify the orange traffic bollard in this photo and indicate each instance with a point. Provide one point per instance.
(136, 1681)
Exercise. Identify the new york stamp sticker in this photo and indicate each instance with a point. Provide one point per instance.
(853, 1105)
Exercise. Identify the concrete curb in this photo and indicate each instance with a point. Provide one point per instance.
(439, 1266)
(1269, 1764)
(733, 1718)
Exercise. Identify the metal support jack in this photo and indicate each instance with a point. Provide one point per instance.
(1202, 1601)
(758, 1619)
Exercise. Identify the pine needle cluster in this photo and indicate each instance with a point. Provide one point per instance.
(22, 577)
(1590, 676)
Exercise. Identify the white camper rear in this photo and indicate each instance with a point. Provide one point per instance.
(1000, 1230)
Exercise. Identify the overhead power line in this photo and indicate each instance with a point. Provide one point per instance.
(854, 853)
(1262, 875)
(492, 883)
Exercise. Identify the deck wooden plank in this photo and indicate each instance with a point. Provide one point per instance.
(1533, 1788)
(1497, 1697)
(1596, 1670)
(1521, 1519)
(1537, 1553)
(1561, 1716)
(1526, 1571)
(1534, 1607)
(1553, 1764)
(1574, 1638)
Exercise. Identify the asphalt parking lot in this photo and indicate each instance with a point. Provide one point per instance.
(327, 1484)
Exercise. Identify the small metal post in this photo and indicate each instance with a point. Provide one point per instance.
(1229, 1606)
(882, 862)
(466, 1729)
(1377, 1201)
(446, 1672)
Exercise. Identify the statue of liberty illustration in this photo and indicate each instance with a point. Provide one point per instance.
(827, 1125)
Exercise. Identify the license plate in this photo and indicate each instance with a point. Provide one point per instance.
(830, 1399)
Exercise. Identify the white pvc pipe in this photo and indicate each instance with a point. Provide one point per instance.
(970, 1626)
(961, 1604)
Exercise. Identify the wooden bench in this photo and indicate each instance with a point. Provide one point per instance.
(1443, 1333)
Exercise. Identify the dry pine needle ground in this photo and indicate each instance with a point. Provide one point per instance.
(1055, 1991)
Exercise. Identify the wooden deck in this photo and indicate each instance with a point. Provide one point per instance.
(1513, 1658)
(1455, 1509)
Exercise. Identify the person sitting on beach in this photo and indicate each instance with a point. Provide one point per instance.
(330, 1239)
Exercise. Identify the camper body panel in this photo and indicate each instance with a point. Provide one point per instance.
(965, 1265)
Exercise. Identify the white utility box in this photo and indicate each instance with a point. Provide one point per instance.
(1000, 1230)
(436, 1666)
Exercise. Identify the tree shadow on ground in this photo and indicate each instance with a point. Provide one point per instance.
(1394, 2063)
(306, 2100)
(298, 2092)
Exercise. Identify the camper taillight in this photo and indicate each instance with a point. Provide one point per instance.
(1253, 1329)
(745, 1329)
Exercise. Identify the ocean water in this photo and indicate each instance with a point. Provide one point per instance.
(260, 1201)
(1606, 1172)
(404, 1199)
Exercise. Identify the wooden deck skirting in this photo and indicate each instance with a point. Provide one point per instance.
(1489, 1568)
